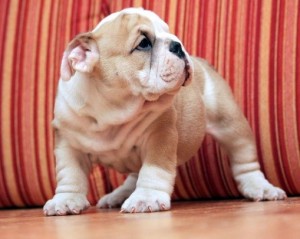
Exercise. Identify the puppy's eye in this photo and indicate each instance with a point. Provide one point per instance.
(145, 45)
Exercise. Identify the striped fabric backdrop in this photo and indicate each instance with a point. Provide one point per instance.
(254, 44)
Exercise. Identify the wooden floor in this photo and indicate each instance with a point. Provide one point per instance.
(235, 219)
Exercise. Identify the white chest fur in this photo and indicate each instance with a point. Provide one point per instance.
(110, 131)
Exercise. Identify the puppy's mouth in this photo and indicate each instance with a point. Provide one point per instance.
(173, 75)
(187, 70)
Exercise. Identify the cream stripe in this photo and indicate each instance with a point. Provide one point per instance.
(172, 15)
(195, 28)
(137, 3)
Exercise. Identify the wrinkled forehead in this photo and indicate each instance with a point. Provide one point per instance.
(139, 15)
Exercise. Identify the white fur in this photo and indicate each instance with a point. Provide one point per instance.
(153, 190)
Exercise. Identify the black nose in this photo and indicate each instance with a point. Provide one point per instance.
(175, 47)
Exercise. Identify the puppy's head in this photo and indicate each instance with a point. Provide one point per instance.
(131, 49)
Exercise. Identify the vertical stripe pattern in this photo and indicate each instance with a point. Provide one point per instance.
(254, 45)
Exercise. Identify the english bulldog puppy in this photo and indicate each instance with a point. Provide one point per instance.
(130, 97)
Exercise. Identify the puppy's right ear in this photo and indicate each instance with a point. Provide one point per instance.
(81, 55)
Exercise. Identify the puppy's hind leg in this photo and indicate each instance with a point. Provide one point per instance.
(120, 194)
(227, 124)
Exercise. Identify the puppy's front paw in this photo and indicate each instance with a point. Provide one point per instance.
(147, 200)
(66, 203)
(254, 186)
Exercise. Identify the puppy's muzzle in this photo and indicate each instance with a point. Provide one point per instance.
(176, 48)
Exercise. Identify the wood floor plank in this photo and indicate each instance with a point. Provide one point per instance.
(232, 219)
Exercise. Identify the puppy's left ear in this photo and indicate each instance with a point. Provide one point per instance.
(81, 55)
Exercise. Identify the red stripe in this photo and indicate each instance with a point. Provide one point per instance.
(13, 106)
(93, 13)
(88, 16)
(256, 101)
(92, 196)
(202, 161)
(226, 38)
(176, 195)
(186, 31)
(126, 3)
(105, 8)
(105, 179)
(206, 145)
(183, 35)
(279, 86)
(215, 45)
(190, 178)
(199, 30)
(272, 78)
(207, 162)
(36, 107)
(298, 74)
(273, 94)
(194, 177)
(284, 168)
(184, 180)
(232, 66)
(150, 4)
(205, 27)
(21, 102)
(190, 32)
(5, 199)
(16, 115)
(216, 177)
(49, 106)
(167, 10)
(74, 26)
(246, 58)
(178, 17)
(144, 3)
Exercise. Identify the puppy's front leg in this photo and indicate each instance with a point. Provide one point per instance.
(156, 178)
(72, 168)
